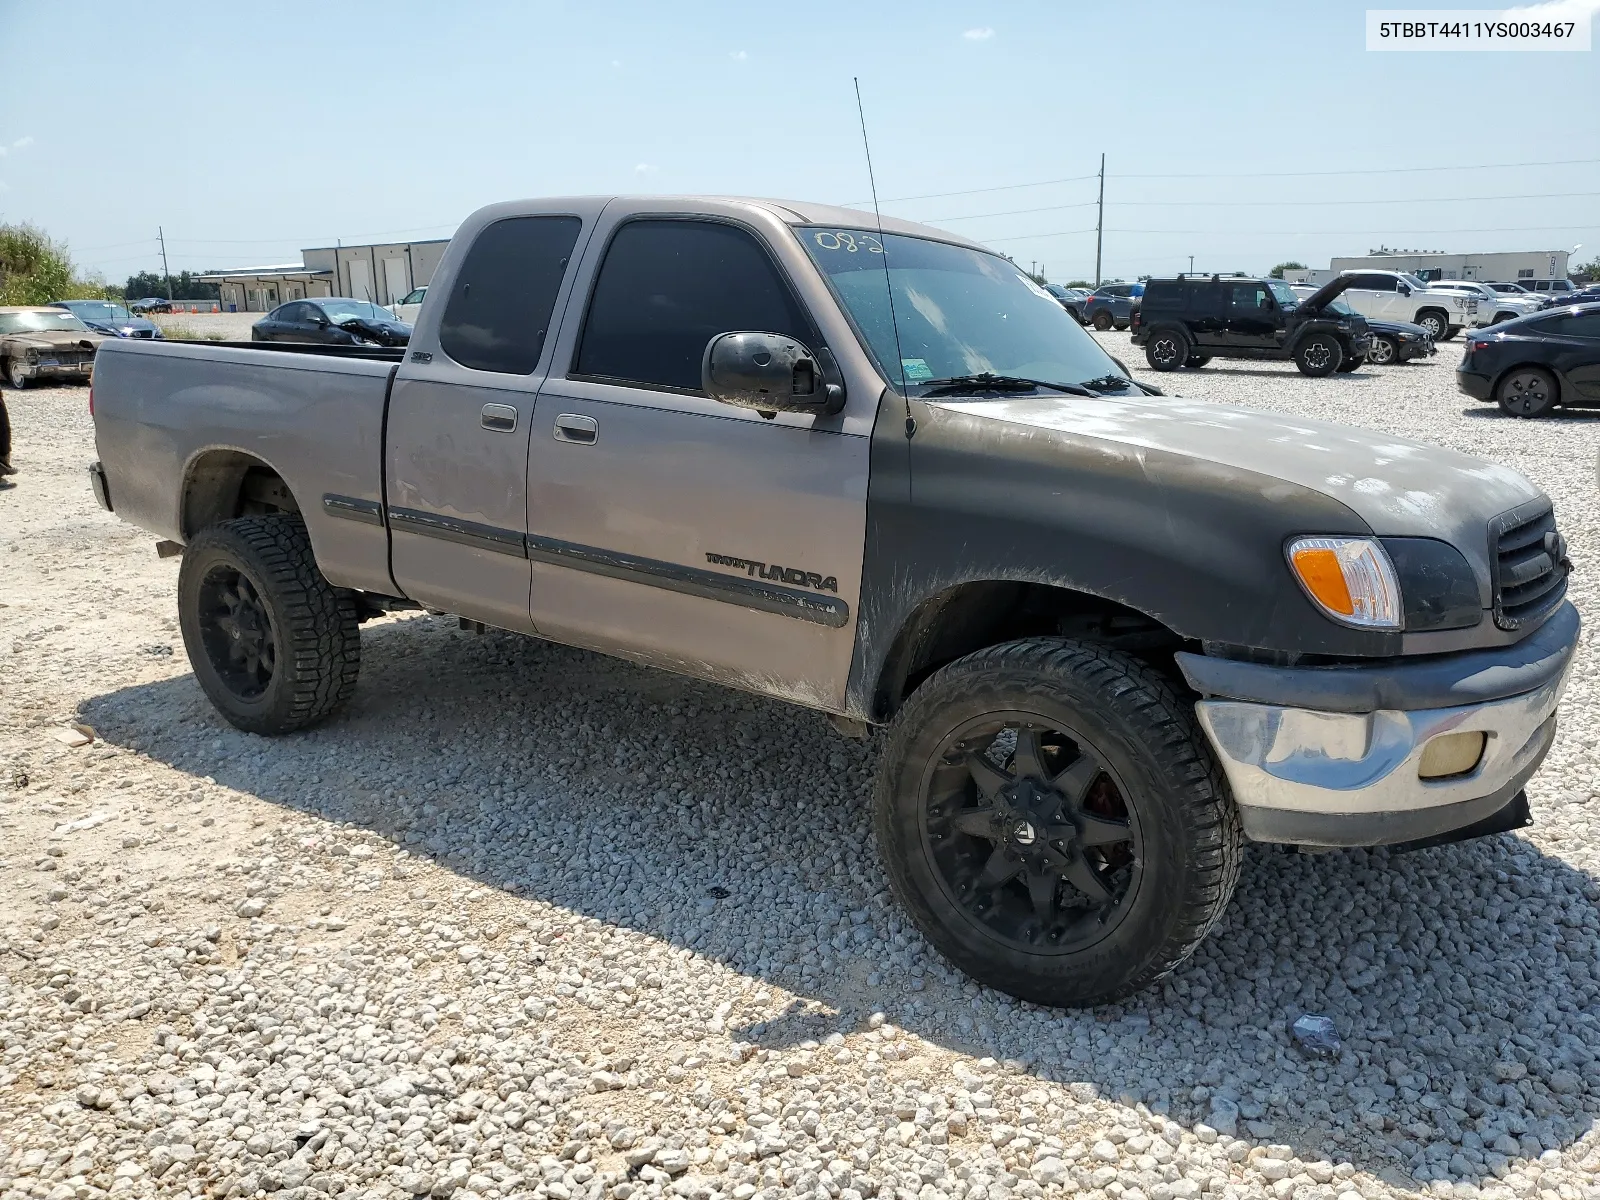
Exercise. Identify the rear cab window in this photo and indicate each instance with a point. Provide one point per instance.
(501, 300)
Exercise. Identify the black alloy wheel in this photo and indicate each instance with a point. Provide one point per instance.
(1167, 350)
(237, 631)
(1030, 833)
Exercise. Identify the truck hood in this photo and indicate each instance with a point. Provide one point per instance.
(65, 339)
(1400, 488)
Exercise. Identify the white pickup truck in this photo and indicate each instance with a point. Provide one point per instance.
(1396, 296)
(1494, 306)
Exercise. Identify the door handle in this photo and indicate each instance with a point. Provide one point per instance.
(570, 427)
(501, 418)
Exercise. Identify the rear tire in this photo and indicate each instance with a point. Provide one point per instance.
(273, 644)
(1450, 332)
(1351, 362)
(1318, 355)
(1102, 321)
(1054, 822)
(1383, 351)
(1527, 392)
(1435, 322)
(1167, 350)
(1195, 361)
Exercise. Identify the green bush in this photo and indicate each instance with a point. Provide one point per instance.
(36, 270)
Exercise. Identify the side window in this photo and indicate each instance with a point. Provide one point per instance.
(666, 288)
(1246, 296)
(1584, 325)
(298, 313)
(502, 298)
(1375, 283)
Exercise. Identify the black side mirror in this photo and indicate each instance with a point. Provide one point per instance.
(767, 372)
(1405, 289)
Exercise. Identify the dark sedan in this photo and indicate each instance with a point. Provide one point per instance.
(1530, 365)
(332, 321)
(150, 304)
(103, 316)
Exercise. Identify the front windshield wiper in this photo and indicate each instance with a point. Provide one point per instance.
(1107, 382)
(988, 381)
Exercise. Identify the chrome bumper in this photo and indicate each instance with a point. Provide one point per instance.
(1350, 779)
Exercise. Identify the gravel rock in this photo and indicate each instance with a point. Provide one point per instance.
(526, 921)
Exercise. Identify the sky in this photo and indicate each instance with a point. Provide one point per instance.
(1243, 134)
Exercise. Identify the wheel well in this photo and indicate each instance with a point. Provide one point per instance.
(1494, 387)
(971, 616)
(224, 484)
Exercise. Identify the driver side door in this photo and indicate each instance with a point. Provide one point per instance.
(671, 529)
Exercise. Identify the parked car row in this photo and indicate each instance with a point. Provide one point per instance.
(1532, 364)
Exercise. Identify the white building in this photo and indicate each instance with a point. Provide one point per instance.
(1507, 267)
(382, 273)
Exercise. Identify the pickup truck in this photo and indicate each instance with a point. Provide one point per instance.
(874, 470)
(1396, 296)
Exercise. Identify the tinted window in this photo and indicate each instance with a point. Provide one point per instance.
(1249, 296)
(667, 288)
(298, 313)
(1163, 295)
(1375, 283)
(502, 299)
(1584, 325)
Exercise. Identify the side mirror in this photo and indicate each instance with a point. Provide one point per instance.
(1405, 289)
(767, 372)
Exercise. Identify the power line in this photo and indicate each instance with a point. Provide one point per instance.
(1025, 237)
(1008, 187)
(1018, 212)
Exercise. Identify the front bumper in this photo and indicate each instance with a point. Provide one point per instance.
(78, 371)
(1417, 349)
(1330, 776)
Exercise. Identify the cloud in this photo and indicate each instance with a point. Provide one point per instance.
(978, 35)
(1554, 10)
(738, 55)
(644, 169)
(22, 143)
(616, 62)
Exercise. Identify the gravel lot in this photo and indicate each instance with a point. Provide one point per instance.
(529, 921)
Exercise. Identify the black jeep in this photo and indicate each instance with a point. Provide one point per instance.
(1188, 321)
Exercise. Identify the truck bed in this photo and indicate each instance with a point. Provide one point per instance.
(178, 424)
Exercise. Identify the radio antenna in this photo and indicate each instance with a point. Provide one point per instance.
(888, 284)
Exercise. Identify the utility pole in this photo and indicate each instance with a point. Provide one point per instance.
(161, 234)
(1100, 220)
(1191, 264)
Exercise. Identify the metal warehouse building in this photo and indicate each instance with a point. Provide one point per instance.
(1508, 267)
(382, 273)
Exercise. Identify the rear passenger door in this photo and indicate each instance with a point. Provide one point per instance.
(675, 530)
(460, 411)
(1371, 295)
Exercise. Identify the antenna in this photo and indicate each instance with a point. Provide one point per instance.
(888, 284)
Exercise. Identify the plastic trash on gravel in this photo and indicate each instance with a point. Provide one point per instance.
(1316, 1035)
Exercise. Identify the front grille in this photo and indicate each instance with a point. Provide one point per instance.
(1528, 560)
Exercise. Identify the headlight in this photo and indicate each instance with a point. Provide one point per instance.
(1349, 578)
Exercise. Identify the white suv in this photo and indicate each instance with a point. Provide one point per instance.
(1493, 306)
(1396, 296)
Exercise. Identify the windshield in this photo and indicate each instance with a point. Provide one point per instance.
(54, 321)
(1415, 283)
(1283, 293)
(959, 311)
(100, 310)
(341, 310)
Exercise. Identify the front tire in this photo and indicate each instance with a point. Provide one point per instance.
(1527, 392)
(273, 644)
(1318, 355)
(1383, 351)
(1195, 361)
(14, 375)
(1053, 820)
(1351, 362)
(1435, 322)
(1167, 350)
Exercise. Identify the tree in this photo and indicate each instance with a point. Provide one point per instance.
(1588, 273)
(33, 269)
(184, 287)
(1081, 283)
(1291, 265)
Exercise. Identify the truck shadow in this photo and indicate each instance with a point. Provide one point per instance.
(1462, 979)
